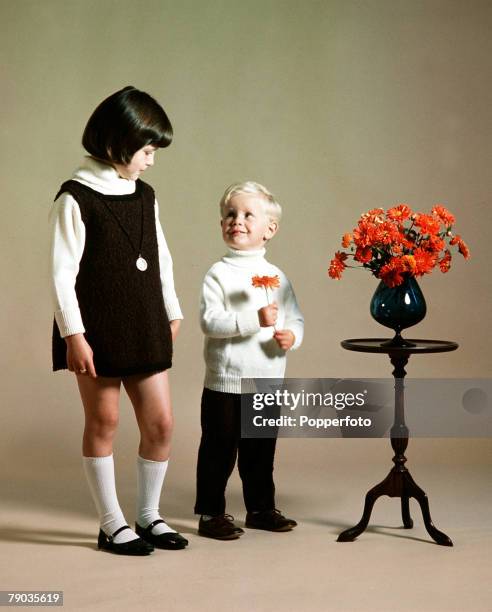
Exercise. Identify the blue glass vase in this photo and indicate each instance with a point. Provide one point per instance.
(398, 308)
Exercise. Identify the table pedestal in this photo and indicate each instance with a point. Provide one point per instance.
(399, 482)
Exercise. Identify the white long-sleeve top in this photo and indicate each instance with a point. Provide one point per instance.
(68, 241)
(235, 345)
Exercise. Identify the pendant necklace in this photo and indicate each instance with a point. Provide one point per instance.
(141, 263)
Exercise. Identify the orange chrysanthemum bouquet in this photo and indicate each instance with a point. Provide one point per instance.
(399, 243)
(397, 246)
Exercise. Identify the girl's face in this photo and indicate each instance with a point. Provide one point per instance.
(140, 161)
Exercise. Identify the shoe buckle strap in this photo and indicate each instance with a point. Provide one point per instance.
(112, 536)
(154, 523)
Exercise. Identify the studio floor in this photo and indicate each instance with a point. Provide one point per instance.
(52, 547)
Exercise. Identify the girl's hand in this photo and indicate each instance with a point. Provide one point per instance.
(175, 325)
(285, 338)
(268, 315)
(79, 355)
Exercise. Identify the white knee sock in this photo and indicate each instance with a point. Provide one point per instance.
(100, 476)
(150, 477)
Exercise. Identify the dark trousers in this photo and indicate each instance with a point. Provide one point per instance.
(221, 443)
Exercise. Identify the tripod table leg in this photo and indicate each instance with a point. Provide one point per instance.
(413, 490)
(435, 534)
(405, 512)
(372, 495)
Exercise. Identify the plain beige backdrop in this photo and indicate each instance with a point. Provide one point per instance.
(337, 106)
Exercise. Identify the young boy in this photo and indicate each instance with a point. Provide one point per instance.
(244, 338)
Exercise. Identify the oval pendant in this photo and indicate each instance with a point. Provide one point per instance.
(141, 264)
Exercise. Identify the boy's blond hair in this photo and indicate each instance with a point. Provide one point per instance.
(272, 207)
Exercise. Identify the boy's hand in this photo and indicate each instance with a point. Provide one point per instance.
(285, 338)
(175, 325)
(268, 315)
(79, 356)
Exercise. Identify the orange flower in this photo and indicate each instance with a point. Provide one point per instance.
(268, 282)
(376, 215)
(427, 223)
(364, 234)
(387, 233)
(462, 247)
(363, 254)
(445, 262)
(399, 213)
(392, 273)
(409, 263)
(444, 215)
(337, 265)
(424, 261)
(346, 240)
(433, 243)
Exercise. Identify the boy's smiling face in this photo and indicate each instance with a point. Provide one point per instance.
(246, 225)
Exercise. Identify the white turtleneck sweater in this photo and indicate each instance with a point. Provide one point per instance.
(235, 345)
(68, 241)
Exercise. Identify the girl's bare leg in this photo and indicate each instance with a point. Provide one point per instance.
(151, 399)
(100, 397)
(150, 396)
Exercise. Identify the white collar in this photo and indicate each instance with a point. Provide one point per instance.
(102, 177)
(244, 259)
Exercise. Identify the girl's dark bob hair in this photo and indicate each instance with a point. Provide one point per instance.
(124, 123)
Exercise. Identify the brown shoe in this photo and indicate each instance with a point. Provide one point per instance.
(219, 527)
(269, 520)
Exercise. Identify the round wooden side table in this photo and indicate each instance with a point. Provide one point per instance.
(399, 482)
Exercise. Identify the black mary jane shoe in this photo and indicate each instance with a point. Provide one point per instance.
(171, 540)
(136, 548)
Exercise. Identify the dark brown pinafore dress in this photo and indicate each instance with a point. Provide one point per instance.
(122, 307)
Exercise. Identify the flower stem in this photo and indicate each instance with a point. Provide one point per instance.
(268, 302)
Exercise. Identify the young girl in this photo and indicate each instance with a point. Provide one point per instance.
(116, 310)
